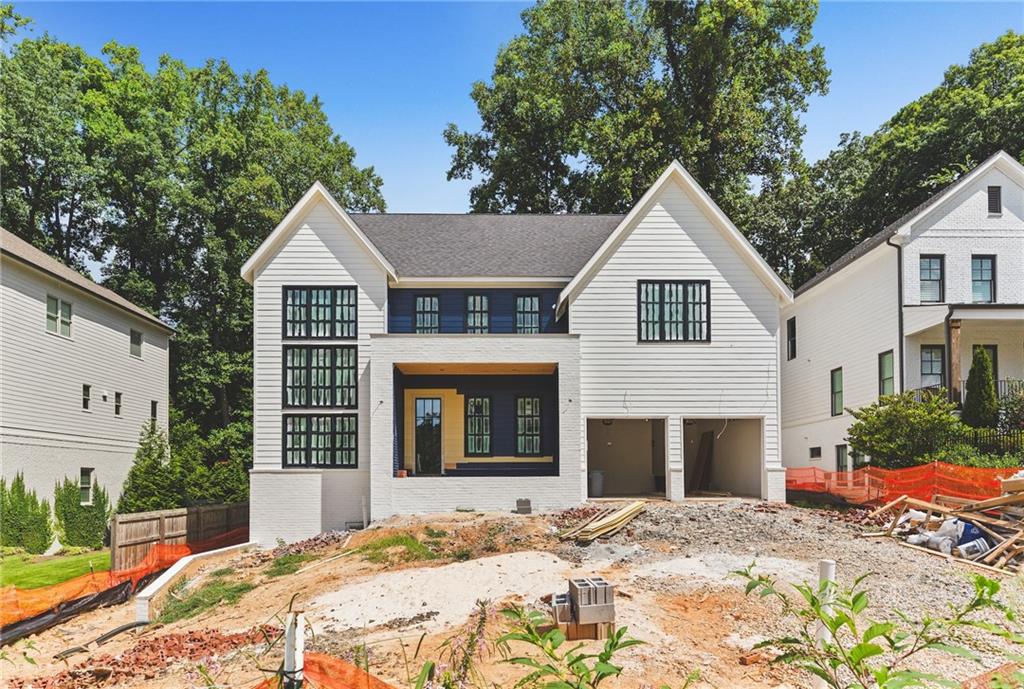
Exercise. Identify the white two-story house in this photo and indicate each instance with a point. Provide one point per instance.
(424, 363)
(81, 371)
(905, 309)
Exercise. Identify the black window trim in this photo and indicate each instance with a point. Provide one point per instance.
(791, 338)
(881, 355)
(515, 312)
(486, 312)
(814, 452)
(540, 426)
(416, 297)
(846, 453)
(309, 438)
(832, 391)
(661, 320)
(998, 198)
(308, 321)
(465, 428)
(942, 277)
(995, 298)
(309, 376)
(942, 359)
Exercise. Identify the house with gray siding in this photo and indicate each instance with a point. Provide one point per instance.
(81, 371)
(414, 363)
(905, 310)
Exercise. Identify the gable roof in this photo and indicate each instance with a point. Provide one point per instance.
(486, 245)
(316, 193)
(17, 248)
(1001, 158)
(676, 173)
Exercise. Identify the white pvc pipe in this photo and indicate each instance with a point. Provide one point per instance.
(826, 585)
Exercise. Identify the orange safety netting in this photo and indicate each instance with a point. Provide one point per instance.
(20, 604)
(324, 672)
(924, 482)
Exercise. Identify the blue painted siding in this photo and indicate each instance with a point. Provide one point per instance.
(503, 391)
(452, 307)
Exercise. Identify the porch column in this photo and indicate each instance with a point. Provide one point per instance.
(954, 360)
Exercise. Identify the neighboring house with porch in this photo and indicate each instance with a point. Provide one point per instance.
(424, 363)
(905, 309)
(81, 371)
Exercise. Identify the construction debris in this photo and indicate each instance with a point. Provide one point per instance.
(587, 611)
(604, 523)
(986, 534)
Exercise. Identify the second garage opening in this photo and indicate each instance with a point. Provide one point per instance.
(723, 456)
(626, 457)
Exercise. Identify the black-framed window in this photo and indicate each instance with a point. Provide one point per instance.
(674, 311)
(86, 482)
(478, 319)
(933, 366)
(995, 200)
(117, 403)
(528, 314)
(427, 318)
(86, 396)
(135, 343)
(886, 373)
(319, 313)
(320, 440)
(993, 356)
(478, 426)
(791, 339)
(842, 458)
(154, 407)
(933, 278)
(528, 426)
(320, 376)
(836, 389)
(58, 316)
(983, 279)
(815, 452)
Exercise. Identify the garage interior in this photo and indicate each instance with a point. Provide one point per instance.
(630, 453)
(722, 456)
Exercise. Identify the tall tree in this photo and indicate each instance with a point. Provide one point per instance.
(588, 105)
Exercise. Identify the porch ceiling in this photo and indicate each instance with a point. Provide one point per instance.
(516, 369)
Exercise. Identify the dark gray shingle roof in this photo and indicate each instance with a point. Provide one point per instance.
(486, 245)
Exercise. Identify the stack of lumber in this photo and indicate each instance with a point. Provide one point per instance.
(999, 521)
(607, 522)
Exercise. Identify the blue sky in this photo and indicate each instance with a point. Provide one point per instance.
(392, 75)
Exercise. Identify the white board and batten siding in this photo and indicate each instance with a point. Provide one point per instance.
(45, 434)
(844, 322)
(733, 376)
(298, 503)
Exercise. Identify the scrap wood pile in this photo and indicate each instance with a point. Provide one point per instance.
(605, 522)
(986, 534)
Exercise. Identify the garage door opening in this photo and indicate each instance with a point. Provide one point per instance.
(722, 456)
(630, 456)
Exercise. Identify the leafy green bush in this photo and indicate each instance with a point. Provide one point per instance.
(964, 454)
(212, 469)
(899, 431)
(1011, 411)
(151, 482)
(80, 525)
(981, 408)
(24, 518)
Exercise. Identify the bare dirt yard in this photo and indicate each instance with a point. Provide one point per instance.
(407, 590)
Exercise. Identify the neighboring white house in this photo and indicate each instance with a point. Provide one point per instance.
(905, 309)
(423, 363)
(81, 370)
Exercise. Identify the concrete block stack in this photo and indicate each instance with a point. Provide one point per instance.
(587, 611)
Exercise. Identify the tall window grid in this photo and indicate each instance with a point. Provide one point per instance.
(932, 269)
(674, 311)
(528, 314)
(983, 279)
(528, 426)
(427, 314)
(478, 426)
(477, 315)
(320, 312)
(320, 441)
(58, 316)
(317, 376)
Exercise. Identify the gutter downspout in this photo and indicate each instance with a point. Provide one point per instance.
(899, 308)
(948, 363)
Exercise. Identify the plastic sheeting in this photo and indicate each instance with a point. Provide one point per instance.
(924, 482)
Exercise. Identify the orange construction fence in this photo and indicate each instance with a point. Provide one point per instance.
(325, 672)
(872, 484)
(20, 604)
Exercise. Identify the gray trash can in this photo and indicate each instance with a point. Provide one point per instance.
(595, 483)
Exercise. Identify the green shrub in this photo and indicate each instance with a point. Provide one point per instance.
(80, 525)
(1011, 411)
(964, 454)
(151, 482)
(24, 518)
(981, 408)
(212, 469)
(899, 431)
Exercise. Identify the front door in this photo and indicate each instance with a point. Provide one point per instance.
(428, 436)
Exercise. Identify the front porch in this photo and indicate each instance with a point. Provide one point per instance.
(940, 355)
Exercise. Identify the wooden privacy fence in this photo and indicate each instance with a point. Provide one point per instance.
(133, 535)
